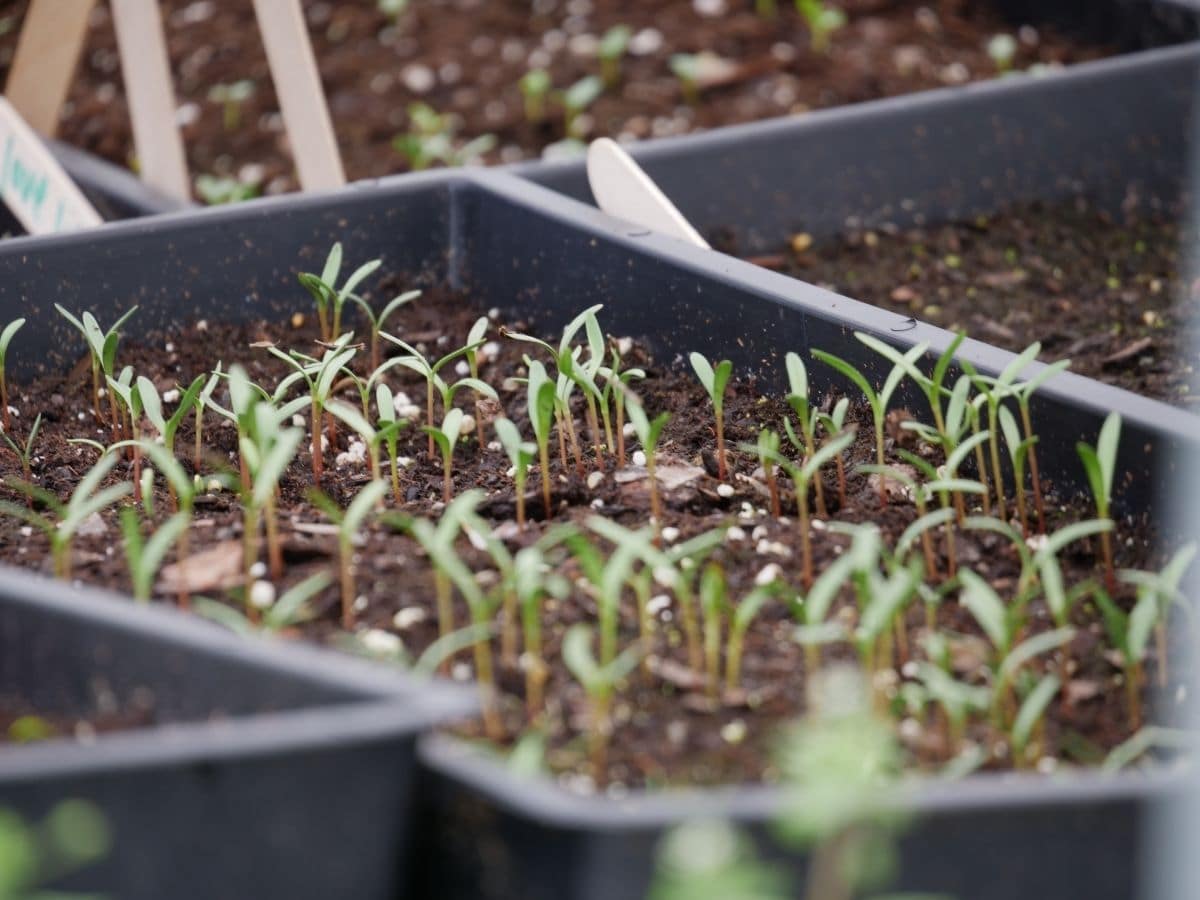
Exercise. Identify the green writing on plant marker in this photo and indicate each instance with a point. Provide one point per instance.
(33, 185)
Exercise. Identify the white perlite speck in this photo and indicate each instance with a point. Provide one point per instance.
(670, 534)
(262, 595)
(594, 480)
(408, 617)
(639, 458)
(381, 642)
(768, 573)
(735, 534)
(725, 490)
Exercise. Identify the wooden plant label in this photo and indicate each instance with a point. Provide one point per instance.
(47, 53)
(33, 185)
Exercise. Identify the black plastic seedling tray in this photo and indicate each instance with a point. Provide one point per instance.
(265, 770)
(1116, 132)
(515, 245)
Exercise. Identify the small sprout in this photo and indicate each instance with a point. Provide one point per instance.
(1002, 48)
(146, 556)
(613, 46)
(217, 190)
(434, 383)
(1164, 587)
(328, 297)
(319, 376)
(520, 454)
(1029, 717)
(808, 415)
(714, 605)
(63, 523)
(576, 99)
(446, 436)
(24, 452)
(614, 380)
(715, 381)
(767, 450)
(599, 681)
(203, 399)
(6, 336)
(1100, 464)
(823, 20)
(349, 523)
(1024, 394)
(268, 451)
(712, 861)
(533, 583)
(1018, 451)
(535, 88)
(393, 9)
(957, 700)
(231, 97)
(743, 615)
(378, 321)
(649, 433)
(432, 138)
(290, 609)
(878, 400)
(686, 68)
(541, 413)
(389, 433)
(103, 348)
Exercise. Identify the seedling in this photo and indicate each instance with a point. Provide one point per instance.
(882, 600)
(520, 454)
(576, 99)
(686, 68)
(599, 681)
(328, 297)
(834, 424)
(291, 608)
(438, 543)
(711, 861)
(446, 436)
(1018, 452)
(152, 408)
(432, 138)
(714, 605)
(378, 321)
(614, 380)
(475, 339)
(268, 450)
(319, 376)
(24, 452)
(744, 614)
(609, 575)
(389, 433)
(572, 373)
(1164, 587)
(6, 336)
(103, 348)
(715, 382)
(993, 392)
(957, 700)
(1100, 464)
(231, 97)
(533, 583)
(393, 9)
(802, 476)
(39, 857)
(649, 433)
(62, 524)
(349, 523)
(613, 46)
(807, 414)
(541, 412)
(823, 20)
(767, 450)
(217, 190)
(535, 88)
(1002, 48)
(146, 556)
(433, 381)
(1024, 394)
(203, 399)
(878, 400)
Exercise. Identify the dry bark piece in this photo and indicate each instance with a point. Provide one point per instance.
(215, 568)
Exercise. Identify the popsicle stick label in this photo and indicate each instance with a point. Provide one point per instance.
(40, 195)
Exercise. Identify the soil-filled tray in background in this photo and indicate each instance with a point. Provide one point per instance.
(1101, 290)
(465, 59)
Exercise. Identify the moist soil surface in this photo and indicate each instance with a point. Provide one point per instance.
(1105, 294)
(667, 729)
(466, 57)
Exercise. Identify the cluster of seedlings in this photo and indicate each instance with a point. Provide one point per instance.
(597, 562)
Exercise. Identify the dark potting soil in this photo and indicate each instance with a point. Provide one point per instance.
(667, 730)
(465, 57)
(1105, 293)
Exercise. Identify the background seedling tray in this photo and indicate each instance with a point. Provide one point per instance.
(1116, 133)
(515, 245)
(269, 771)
